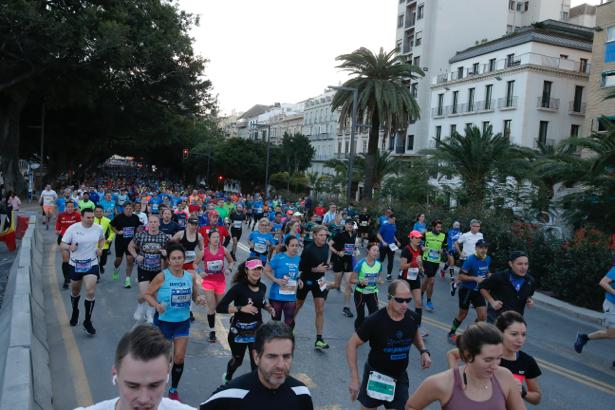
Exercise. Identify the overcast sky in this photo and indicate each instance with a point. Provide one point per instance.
(266, 51)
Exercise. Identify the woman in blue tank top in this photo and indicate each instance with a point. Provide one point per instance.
(170, 293)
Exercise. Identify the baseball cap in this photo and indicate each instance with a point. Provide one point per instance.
(254, 263)
(456, 224)
(193, 220)
(297, 214)
(481, 243)
(415, 234)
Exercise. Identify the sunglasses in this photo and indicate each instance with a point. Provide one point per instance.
(402, 300)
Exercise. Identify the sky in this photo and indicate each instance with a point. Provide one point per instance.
(267, 51)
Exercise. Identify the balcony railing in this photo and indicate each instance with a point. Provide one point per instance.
(507, 103)
(487, 105)
(453, 110)
(437, 112)
(408, 46)
(410, 20)
(564, 64)
(548, 104)
(575, 107)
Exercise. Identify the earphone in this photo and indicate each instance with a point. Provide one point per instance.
(114, 380)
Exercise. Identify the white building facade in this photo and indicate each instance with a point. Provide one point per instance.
(530, 85)
(430, 31)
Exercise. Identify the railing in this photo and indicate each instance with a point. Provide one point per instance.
(408, 46)
(452, 110)
(437, 112)
(487, 105)
(410, 20)
(580, 67)
(551, 104)
(575, 107)
(507, 103)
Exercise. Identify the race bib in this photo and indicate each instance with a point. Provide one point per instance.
(290, 288)
(151, 261)
(82, 266)
(129, 232)
(259, 210)
(260, 247)
(190, 256)
(215, 266)
(363, 223)
(348, 248)
(322, 284)
(393, 247)
(434, 254)
(245, 332)
(380, 387)
(371, 279)
(413, 273)
(237, 224)
(180, 298)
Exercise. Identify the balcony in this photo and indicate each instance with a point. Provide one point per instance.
(521, 60)
(547, 104)
(410, 20)
(437, 112)
(576, 108)
(509, 103)
(454, 110)
(485, 106)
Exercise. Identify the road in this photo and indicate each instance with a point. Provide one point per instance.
(81, 365)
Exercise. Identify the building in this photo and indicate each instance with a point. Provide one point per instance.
(243, 122)
(583, 15)
(263, 121)
(287, 122)
(530, 85)
(429, 32)
(602, 77)
(228, 124)
(320, 126)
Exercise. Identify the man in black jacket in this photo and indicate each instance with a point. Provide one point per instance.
(511, 289)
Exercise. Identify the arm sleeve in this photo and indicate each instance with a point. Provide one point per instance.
(306, 402)
(68, 236)
(226, 300)
(488, 283)
(467, 265)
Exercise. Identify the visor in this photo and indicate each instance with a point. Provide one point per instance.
(254, 263)
(415, 234)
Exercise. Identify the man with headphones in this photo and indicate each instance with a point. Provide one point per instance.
(390, 332)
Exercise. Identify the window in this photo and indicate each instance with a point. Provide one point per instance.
(564, 15)
(485, 126)
(527, 5)
(546, 94)
(455, 100)
(510, 89)
(608, 79)
(574, 130)
(511, 5)
(519, 6)
(542, 132)
(475, 68)
(507, 128)
(610, 34)
(510, 60)
(414, 90)
(492, 64)
(418, 38)
(438, 132)
(578, 98)
(563, 56)
(469, 125)
(459, 72)
(417, 61)
(398, 45)
(364, 143)
(488, 94)
(453, 129)
(339, 147)
(409, 142)
(391, 142)
(509, 28)
(419, 12)
(400, 21)
(440, 102)
(583, 66)
(471, 99)
(346, 146)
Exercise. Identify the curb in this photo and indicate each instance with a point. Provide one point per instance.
(584, 314)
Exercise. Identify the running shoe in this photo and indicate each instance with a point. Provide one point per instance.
(320, 344)
(140, 312)
(191, 316)
(127, 283)
(74, 318)
(116, 274)
(212, 336)
(89, 329)
(173, 394)
(429, 306)
(582, 339)
(453, 288)
(149, 314)
(347, 312)
(452, 339)
(224, 379)
(389, 278)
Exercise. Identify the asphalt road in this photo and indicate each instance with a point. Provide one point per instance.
(81, 365)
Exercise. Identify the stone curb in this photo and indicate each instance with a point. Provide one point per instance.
(570, 310)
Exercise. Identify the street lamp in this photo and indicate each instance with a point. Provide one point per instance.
(353, 126)
(256, 125)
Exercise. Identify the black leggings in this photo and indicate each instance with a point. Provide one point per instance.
(238, 350)
(360, 300)
(384, 252)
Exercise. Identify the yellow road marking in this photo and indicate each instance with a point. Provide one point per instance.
(80, 383)
(221, 331)
(305, 379)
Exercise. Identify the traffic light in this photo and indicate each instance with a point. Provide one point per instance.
(185, 153)
(220, 178)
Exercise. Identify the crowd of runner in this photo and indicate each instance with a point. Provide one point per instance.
(185, 241)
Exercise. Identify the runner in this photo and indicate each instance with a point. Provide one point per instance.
(387, 235)
(248, 296)
(419, 224)
(365, 276)
(523, 366)
(411, 270)
(474, 271)
(480, 384)
(215, 225)
(167, 225)
(330, 216)
(364, 221)
(237, 219)
(319, 211)
(283, 271)
(125, 226)
(122, 199)
(510, 289)
(391, 332)
(193, 243)
(432, 256)
(108, 206)
(312, 268)
(342, 248)
(466, 242)
(258, 210)
(63, 221)
(62, 201)
(147, 248)
(105, 224)
(85, 202)
(214, 279)
(141, 365)
(452, 255)
(270, 386)
(262, 240)
(170, 293)
(84, 240)
(181, 214)
(48, 200)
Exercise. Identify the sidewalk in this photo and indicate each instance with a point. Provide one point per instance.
(572, 311)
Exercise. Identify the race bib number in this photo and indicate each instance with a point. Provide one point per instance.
(413, 273)
(151, 261)
(371, 279)
(434, 254)
(348, 248)
(380, 387)
(290, 288)
(180, 298)
(237, 224)
(363, 223)
(393, 247)
(128, 232)
(322, 284)
(82, 266)
(259, 210)
(190, 256)
(260, 247)
(245, 332)
(215, 266)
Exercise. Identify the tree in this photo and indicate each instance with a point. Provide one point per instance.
(297, 152)
(479, 158)
(412, 183)
(384, 98)
(385, 165)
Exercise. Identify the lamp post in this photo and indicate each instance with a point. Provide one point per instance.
(257, 125)
(353, 126)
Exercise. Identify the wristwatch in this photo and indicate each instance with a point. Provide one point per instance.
(425, 351)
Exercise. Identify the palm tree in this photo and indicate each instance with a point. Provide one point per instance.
(384, 98)
(478, 158)
(385, 165)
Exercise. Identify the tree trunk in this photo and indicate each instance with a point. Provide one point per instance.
(11, 106)
(372, 153)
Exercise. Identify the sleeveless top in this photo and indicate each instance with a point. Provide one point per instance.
(189, 247)
(214, 262)
(459, 401)
(176, 295)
